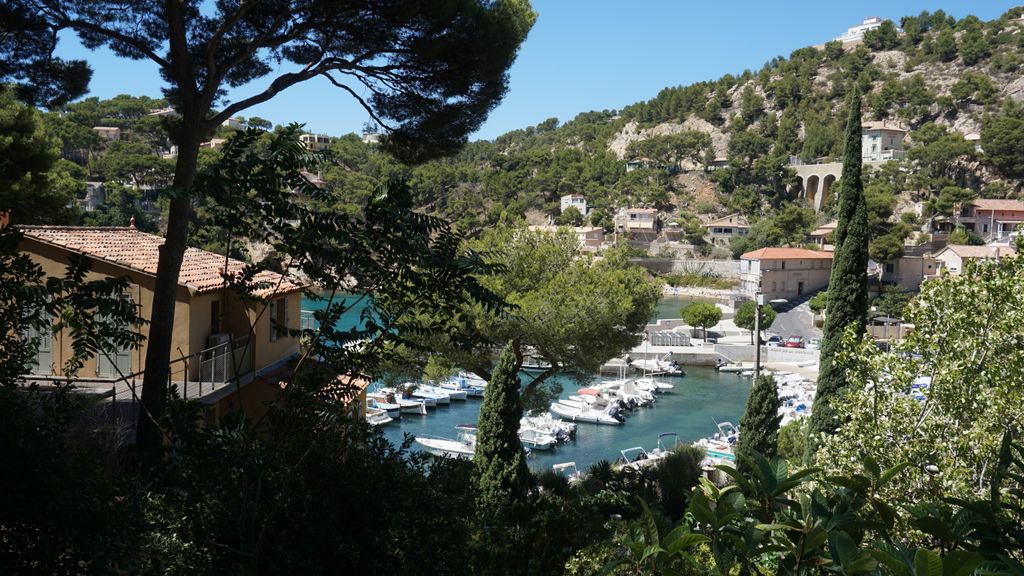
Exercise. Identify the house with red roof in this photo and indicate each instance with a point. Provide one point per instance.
(785, 273)
(222, 342)
(953, 257)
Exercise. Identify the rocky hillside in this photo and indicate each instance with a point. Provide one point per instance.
(701, 150)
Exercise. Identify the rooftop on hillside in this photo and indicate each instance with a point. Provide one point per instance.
(786, 254)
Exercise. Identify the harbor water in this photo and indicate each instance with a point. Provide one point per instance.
(700, 400)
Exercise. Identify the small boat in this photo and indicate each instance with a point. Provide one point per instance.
(377, 417)
(577, 414)
(534, 364)
(406, 395)
(544, 423)
(471, 388)
(652, 385)
(405, 405)
(658, 367)
(636, 458)
(568, 470)
(394, 411)
(453, 393)
(463, 447)
(732, 368)
(537, 440)
(428, 394)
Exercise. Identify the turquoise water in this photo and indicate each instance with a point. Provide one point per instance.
(704, 397)
(669, 306)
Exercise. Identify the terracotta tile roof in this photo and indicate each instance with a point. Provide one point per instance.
(964, 251)
(994, 204)
(787, 254)
(201, 271)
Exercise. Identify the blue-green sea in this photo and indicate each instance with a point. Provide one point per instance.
(699, 400)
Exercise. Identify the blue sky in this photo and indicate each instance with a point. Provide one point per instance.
(586, 55)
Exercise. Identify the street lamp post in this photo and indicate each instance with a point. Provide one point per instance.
(758, 302)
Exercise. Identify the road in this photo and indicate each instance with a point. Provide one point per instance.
(795, 322)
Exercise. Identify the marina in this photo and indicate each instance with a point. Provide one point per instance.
(692, 410)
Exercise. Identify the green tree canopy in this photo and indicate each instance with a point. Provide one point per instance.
(701, 315)
(744, 317)
(760, 422)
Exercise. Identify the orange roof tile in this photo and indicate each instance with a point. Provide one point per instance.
(786, 254)
(997, 204)
(201, 271)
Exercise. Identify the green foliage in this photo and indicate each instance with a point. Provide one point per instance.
(847, 292)
(965, 334)
(699, 280)
(760, 423)
(792, 439)
(964, 237)
(882, 38)
(945, 45)
(646, 550)
(571, 217)
(675, 476)
(27, 154)
(744, 317)
(819, 301)
(1002, 138)
(500, 473)
(702, 315)
(892, 302)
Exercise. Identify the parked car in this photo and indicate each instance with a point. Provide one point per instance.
(774, 341)
(795, 342)
(813, 344)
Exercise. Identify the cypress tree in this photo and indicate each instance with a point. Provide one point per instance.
(759, 426)
(501, 475)
(848, 286)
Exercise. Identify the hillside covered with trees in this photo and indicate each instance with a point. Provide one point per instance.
(710, 148)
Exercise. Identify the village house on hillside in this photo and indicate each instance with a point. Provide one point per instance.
(223, 344)
(953, 257)
(882, 141)
(577, 201)
(722, 230)
(993, 219)
(637, 220)
(856, 32)
(784, 273)
(590, 237)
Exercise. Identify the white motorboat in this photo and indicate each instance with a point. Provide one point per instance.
(586, 414)
(534, 364)
(394, 411)
(453, 393)
(544, 423)
(660, 367)
(463, 447)
(377, 417)
(636, 458)
(568, 470)
(428, 394)
(719, 446)
(651, 385)
(406, 394)
(537, 440)
(460, 384)
(405, 405)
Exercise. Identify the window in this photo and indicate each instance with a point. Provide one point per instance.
(278, 312)
(890, 268)
(783, 264)
(215, 317)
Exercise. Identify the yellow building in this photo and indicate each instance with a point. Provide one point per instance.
(225, 349)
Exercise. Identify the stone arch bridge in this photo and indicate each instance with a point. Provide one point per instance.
(817, 181)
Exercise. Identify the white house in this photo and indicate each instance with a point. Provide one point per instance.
(577, 201)
(236, 123)
(856, 33)
(111, 133)
(882, 141)
(784, 272)
(316, 142)
(953, 257)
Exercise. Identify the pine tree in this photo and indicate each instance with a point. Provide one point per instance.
(759, 426)
(501, 475)
(847, 287)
